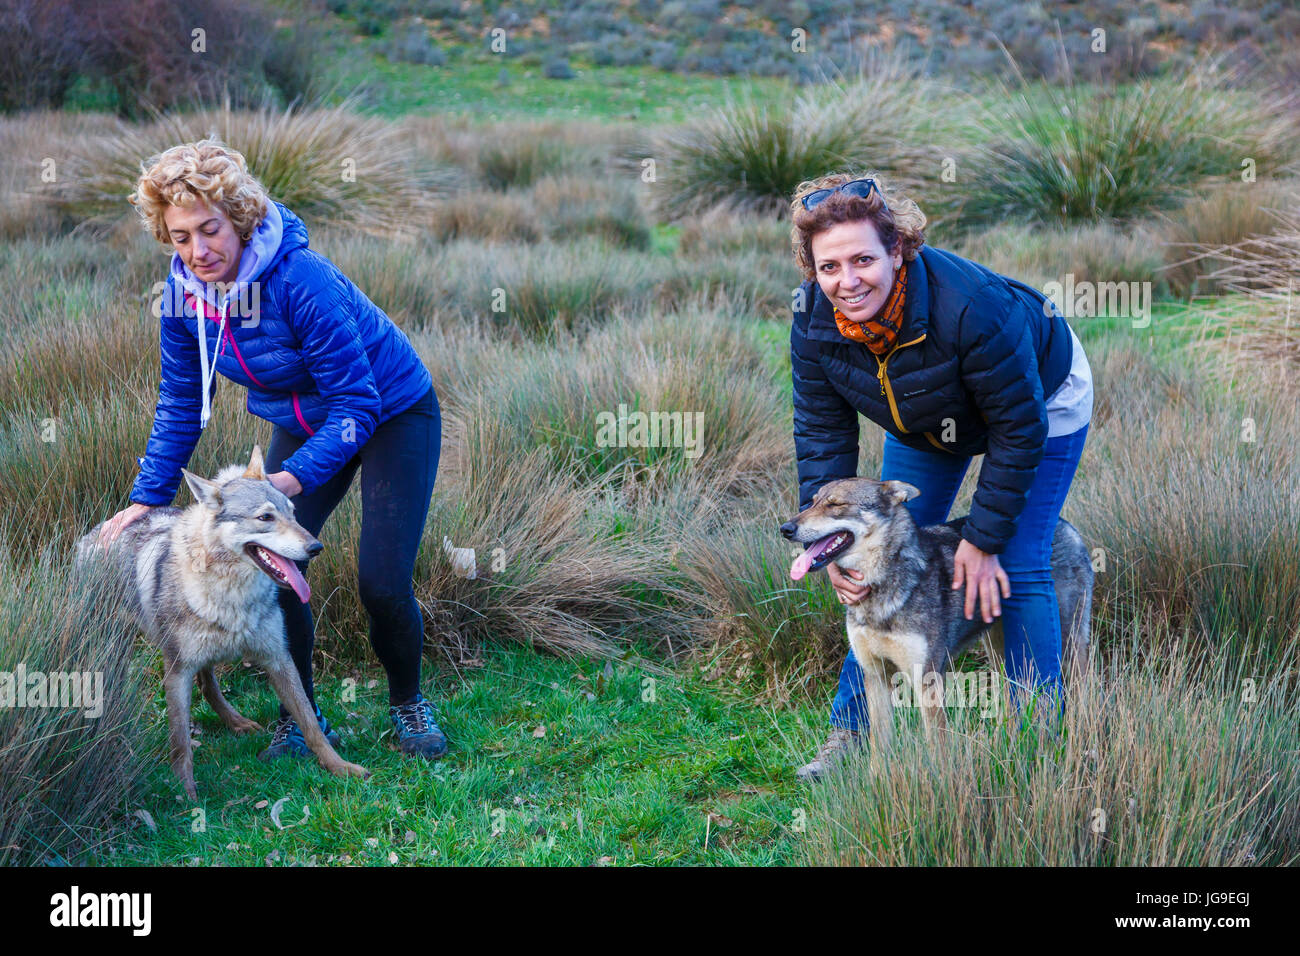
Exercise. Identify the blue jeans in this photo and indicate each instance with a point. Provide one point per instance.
(1031, 619)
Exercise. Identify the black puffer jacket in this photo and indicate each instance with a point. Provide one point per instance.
(975, 347)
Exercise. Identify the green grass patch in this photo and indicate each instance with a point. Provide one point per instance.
(631, 767)
(476, 89)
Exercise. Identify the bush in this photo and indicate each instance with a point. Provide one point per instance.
(325, 164)
(411, 44)
(1091, 155)
(521, 156)
(143, 55)
(751, 157)
(558, 69)
(572, 206)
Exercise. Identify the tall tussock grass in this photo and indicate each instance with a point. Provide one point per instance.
(1097, 253)
(1228, 233)
(556, 568)
(329, 165)
(1083, 154)
(64, 771)
(1165, 757)
(1194, 509)
(579, 524)
(750, 156)
(532, 291)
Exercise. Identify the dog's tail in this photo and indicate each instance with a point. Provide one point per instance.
(1072, 574)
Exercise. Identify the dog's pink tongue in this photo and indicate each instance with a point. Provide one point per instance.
(290, 571)
(805, 560)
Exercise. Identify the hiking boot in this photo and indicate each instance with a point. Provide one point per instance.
(836, 748)
(287, 739)
(417, 734)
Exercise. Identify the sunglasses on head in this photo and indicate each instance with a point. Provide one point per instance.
(857, 187)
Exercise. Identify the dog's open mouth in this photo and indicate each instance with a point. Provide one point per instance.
(280, 570)
(821, 553)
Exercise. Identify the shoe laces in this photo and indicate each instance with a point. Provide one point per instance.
(838, 741)
(415, 717)
(283, 730)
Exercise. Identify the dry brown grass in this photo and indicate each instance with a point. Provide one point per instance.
(1230, 232)
(1165, 758)
(329, 165)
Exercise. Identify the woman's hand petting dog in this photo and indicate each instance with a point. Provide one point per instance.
(982, 574)
(111, 528)
(849, 592)
(286, 483)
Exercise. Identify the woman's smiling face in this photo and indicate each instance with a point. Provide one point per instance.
(206, 241)
(854, 269)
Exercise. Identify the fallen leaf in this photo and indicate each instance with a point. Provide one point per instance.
(276, 810)
(410, 836)
(540, 731)
(261, 805)
(392, 857)
(147, 818)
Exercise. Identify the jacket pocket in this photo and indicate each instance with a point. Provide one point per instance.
(928, 396)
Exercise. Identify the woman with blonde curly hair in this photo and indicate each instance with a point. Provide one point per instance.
(951, 360)
(341, 385)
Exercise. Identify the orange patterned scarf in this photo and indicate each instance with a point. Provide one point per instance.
(880, 332)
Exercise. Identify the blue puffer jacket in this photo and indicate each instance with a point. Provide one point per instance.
(317, 357)
(976, 358)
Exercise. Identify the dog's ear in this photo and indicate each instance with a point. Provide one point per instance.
(207, 493)
(256, 470)
(896, 492)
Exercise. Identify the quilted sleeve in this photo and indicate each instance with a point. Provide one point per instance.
(176, 428)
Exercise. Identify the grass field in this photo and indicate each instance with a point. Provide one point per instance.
(637, 677)
(553, 762)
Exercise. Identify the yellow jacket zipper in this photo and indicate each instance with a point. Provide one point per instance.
(888, 391)
(885, 388)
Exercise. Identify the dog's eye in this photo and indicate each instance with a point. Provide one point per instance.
(265, 517)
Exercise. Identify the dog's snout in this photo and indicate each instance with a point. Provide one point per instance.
(314, 549)
(789, 528)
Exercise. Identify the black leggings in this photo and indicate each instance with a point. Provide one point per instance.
(398, 465)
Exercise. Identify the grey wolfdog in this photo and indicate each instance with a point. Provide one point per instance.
(202, 582)
(912, 621)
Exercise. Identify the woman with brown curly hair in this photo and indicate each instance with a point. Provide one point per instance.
(341, 385)
(951, 360)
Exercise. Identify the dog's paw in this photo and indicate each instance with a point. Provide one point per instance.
(244, 726)
(346, 769)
